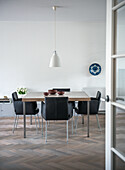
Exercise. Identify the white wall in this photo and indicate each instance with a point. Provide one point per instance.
(26, 48)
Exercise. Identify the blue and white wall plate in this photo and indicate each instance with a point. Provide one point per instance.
(95, 69)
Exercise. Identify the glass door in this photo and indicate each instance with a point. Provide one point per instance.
(115, 86)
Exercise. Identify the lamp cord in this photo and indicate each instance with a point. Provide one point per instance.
(55, 28)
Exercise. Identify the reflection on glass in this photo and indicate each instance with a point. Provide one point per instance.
(118, 1)
(119, 164)
(119, 130)
(120, 33)
(120, 80)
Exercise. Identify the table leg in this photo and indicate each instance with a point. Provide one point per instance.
(42, 117)
(82, 119)
(31, 120)
(24, 119)
(88, 117)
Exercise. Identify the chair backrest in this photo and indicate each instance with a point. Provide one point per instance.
(94, 105)
(62, 89)
(56, 108)
(98, 95)
(14, 99)
(14, 96)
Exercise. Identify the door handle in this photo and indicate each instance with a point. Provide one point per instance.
(107, 98)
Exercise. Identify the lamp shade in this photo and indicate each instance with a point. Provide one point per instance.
(55, 60)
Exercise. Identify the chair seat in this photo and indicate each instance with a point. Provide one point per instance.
(85, 113)
(36, 111)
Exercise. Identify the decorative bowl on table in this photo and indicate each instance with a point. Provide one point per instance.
(46, 93)
(60, 92)
(52, 92)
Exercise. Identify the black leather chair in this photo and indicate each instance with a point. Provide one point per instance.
(94, 107)
(56, 108)
(31, 109)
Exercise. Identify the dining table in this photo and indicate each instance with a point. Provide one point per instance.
(40, 97)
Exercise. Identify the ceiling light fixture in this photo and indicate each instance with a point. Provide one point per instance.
(55, 60)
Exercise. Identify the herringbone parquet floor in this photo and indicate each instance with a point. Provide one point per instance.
(32, 153)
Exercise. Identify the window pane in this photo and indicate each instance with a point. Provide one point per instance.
(118, 1)
(120, 80)
(119, 130)
(120, 33)
(120, 165)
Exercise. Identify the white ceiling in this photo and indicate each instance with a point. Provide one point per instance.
(40, 10)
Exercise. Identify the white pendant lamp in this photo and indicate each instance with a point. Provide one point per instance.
(55, 60)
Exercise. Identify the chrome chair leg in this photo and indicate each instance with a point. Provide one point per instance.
(17, 121)
(72, 125)
(97, 118)
(42, 126)
(67, 131)
(73, 112)
(14, 123)
(46, 132)
(76, 123)
(38, 120)
(36, 124)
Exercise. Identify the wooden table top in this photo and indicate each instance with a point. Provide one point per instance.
(72, 96)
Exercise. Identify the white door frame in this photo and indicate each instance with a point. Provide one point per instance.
(110, 83)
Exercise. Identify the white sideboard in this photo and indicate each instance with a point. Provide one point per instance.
(6, 109)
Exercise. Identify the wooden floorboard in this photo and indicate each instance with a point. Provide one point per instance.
(32, 153)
